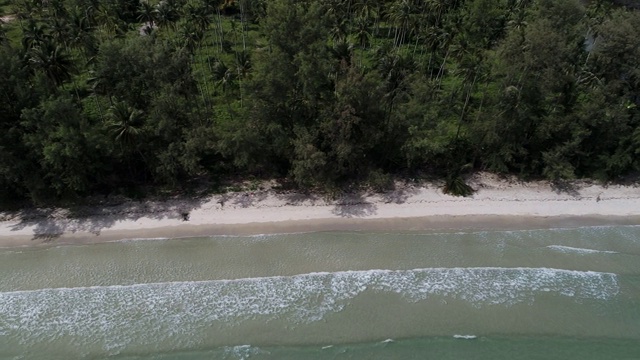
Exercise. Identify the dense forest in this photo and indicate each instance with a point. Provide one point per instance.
(114, 96)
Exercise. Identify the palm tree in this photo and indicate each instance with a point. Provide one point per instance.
(97, 85)
(52, 61)
(223, 76)
(90, 9)
(401, 14)
(34, 34)
(55, 8)
(366, 9)
(254, 10)
(243, 63)
(27, 9)
(125, 126)
(199, 16)
(343, 52)
(362, 31)
(146, 13)
(108, 23)
(335, 9)
(166, 13)
(125, 123)
(243, 68)
(80, 32)
(339, 30)
(393, 68)
(191, 37)
(244, 7)
(518, 22)
(59, 30)
(443, 43)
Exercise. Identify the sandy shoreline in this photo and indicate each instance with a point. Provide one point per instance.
(497, 203)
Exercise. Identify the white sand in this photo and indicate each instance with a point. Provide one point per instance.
(271, 211)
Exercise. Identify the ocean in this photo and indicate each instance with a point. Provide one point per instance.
(562, 293)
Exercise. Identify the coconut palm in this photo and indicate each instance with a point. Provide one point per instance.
(370, 11)
(125, 123)
(366, 8)
(254, 9)
(436, 9)
(335, 9)
(34, 33)
(81, 31)
(339, 30)
(343, 51)
(55, 8)
(146, 13)
(28, 9)
(199, 16)
(224, 79)
(243, 68)
(166, 13)
(223, 76)
(243, 63)
(59, 30)
(90, 8)
(393, 68)
(401, 15)
(362, 32)
(191, 37)
(52, 61)
(518, 22)
(244, 8)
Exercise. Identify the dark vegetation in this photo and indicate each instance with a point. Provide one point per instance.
(115, 96)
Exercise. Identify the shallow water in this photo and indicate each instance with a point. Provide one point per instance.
(573, 292)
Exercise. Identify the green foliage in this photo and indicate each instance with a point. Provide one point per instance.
(455, 185)
(380, 182)
(62, 142)
(120, 95)
(136, 69)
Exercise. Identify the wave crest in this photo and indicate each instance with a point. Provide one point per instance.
(183, 308)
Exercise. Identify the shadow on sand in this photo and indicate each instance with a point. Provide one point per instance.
(354, 205)
(360, 204)
(51, 223)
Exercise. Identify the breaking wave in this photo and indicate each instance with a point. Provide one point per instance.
(113, 317)
(575, 250)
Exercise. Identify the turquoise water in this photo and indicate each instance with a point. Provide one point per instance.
(533, 294)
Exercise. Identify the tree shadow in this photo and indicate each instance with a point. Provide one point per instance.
(51, 223)
(565, 187)
(247, 198)
(399, 195)
(46, 237)
(300, 198)
(354, 205)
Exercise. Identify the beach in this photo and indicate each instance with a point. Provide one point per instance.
(497, 203)
(269, 274)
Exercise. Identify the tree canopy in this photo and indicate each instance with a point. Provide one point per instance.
(109, 96)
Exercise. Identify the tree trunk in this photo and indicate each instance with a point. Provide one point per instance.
(464, 107)
(441, 71)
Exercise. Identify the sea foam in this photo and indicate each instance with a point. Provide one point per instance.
(575, 250)
(148, 313)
